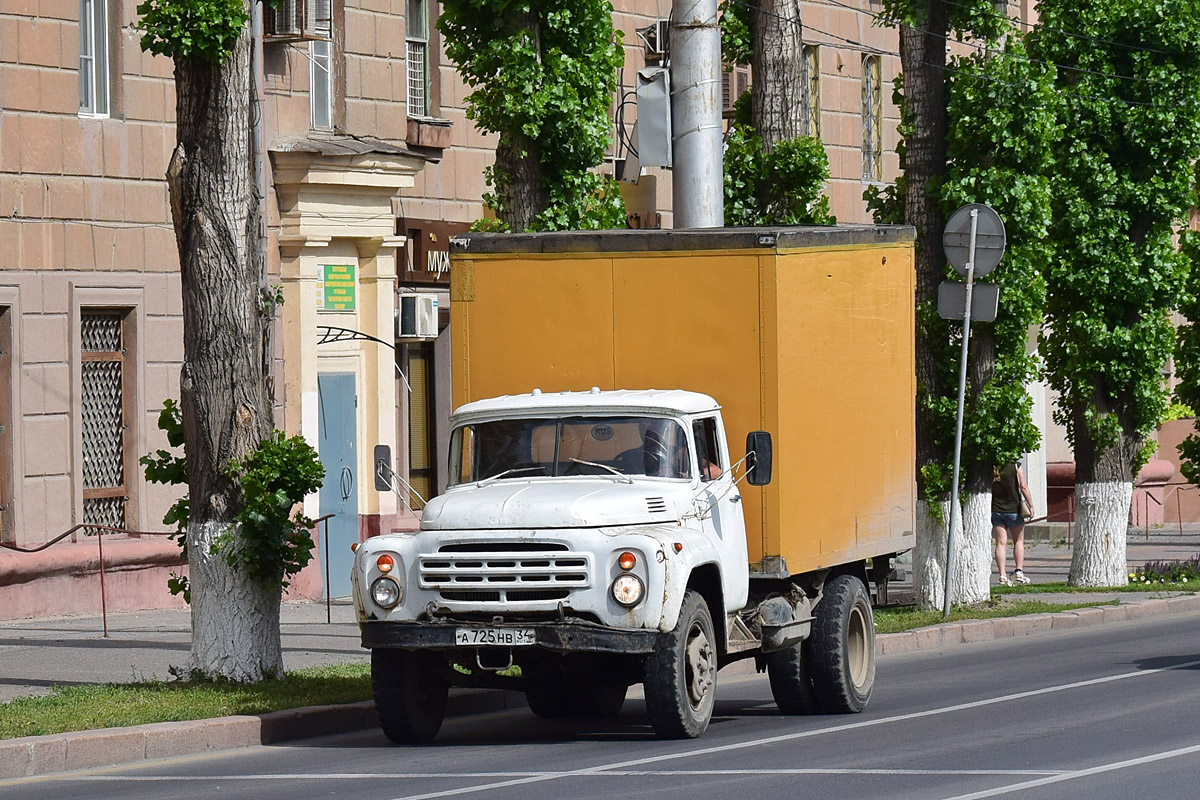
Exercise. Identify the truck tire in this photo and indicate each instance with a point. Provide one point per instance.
(681, 674)
(410, 697)
(598, 701)
(549, 702)
(791, 685)
(841, 648)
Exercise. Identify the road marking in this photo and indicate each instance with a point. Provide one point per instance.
(639, 773)
(1083, 773)
(789, 737)
(621, 768)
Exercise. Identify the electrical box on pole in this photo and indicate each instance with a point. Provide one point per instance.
(654, 117)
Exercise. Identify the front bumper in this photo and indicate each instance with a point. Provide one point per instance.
(557, 637)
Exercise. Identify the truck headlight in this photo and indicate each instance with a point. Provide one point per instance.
(628, 589)
(386, 592)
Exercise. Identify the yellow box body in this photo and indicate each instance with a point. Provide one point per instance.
(805, 333)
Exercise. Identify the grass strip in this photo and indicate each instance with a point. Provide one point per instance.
(81, 708)
(897, 620)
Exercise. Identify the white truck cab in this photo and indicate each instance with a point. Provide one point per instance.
(579, 530)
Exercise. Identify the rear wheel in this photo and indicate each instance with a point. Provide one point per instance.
(549, 702)
(410, 696)
(791, 685)
(598, 701)
(841, 649)
(681, 674)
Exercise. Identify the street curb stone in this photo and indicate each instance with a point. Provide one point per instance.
(43, 755)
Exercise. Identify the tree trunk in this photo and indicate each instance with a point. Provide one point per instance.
(226, 413)
(519, 183)
(1103, 493)
(929, 555)
(922, 58)
(973, 561)
(777, 64)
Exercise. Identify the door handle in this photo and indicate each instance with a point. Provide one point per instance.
(737, 498)
(347, 483)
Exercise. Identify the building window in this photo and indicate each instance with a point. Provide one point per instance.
(93, 58)
(872, 119)
(810, 91)
(321, 81)
(418, 58)
(106, 398)
(421, 446)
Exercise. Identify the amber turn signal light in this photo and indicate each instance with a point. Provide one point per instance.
(626, 561)
(385, 563)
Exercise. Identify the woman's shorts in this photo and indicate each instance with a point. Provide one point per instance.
(1006, 520)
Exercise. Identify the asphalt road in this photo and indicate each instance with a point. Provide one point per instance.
(1105, 712)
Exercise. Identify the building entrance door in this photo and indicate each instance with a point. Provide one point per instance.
(337, 409)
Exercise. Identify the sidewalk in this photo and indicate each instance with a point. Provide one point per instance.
(36, 655)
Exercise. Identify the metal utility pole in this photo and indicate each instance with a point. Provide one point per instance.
(697, 180)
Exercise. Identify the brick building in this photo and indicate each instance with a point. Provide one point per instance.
(371, 165)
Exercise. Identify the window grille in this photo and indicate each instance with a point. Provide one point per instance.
(93, 58)
(872, 119)
(103, 400)
(417, 21)
(810, 90)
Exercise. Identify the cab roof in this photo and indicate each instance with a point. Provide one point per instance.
(657, 401)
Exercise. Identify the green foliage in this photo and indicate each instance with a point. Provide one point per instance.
(735, 32)
(1004, 113)
(782, 187)
(272, 544)
(1121, 181)
(543, 75)
(201, 30)
(1187, 362)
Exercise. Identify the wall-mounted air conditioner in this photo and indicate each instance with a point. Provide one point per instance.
(298, 20)
(417, 317)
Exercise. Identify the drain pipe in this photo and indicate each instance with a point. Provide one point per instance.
(697, 192)
(260, 182)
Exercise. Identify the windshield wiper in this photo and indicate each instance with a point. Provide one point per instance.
(613, 470)
(512, 471)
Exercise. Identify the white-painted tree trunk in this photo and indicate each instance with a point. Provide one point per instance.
(235, 621)
(929, 554)
(974, 552)
(1102, 521)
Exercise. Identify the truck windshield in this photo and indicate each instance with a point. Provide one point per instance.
(559, 446)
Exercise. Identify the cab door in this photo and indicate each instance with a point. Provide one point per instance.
(724, 523)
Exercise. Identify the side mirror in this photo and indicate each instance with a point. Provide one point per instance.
(383, 465)
(758, 458)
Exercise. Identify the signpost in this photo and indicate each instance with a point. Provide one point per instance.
(973, 241)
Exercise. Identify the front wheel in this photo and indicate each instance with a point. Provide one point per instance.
(841, 649)
(410, 696)
(681, 674)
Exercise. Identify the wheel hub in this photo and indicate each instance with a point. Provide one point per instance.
(701, 667)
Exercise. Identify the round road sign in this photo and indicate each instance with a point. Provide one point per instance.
(990, 239)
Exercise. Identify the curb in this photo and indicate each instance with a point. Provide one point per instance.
(950, 634)
(33, 756)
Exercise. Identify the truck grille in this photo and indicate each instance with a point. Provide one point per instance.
(500, 572)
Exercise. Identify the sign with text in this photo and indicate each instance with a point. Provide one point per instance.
(339, 288)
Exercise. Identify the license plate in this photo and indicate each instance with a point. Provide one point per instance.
(498, 637)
